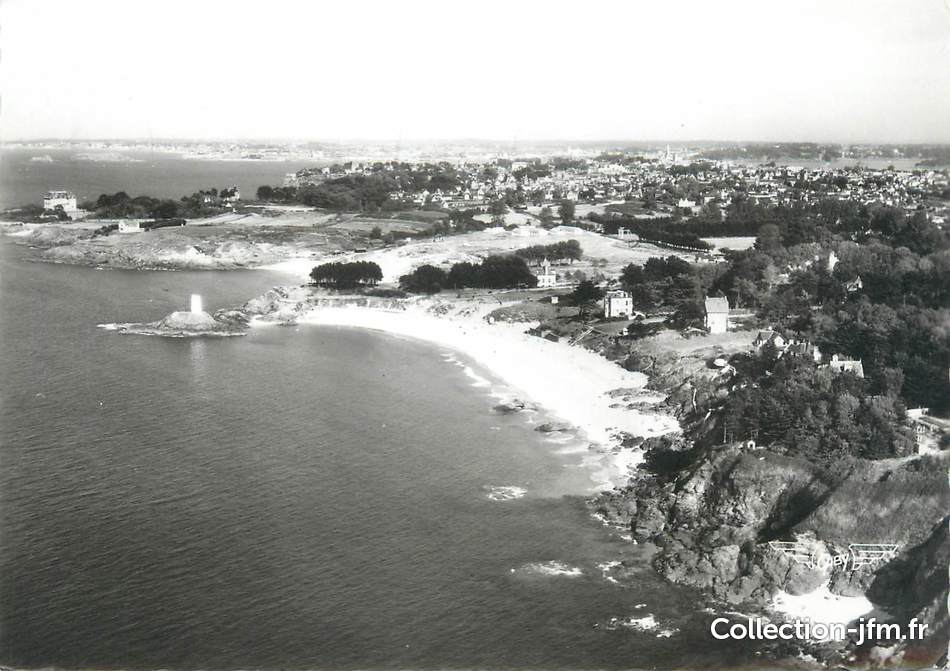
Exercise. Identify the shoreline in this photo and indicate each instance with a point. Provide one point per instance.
(568, 384)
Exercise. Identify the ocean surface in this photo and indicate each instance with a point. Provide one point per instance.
(299, 498)
(89, 173)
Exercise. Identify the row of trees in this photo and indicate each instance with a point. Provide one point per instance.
(346, 275)
(495, 272)
(565, 250)
(668, 230)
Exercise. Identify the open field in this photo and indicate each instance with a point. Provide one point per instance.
(602, 255)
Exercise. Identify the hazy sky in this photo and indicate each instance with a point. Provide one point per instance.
(819, 70)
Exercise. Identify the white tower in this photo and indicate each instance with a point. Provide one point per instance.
(196, 304)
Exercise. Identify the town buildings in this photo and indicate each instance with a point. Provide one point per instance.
(783, 346)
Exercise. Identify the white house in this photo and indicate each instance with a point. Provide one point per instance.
(547, 277)
(617, 304)
(60, 199)
(717, 315)
(626, 234)
(842, 365)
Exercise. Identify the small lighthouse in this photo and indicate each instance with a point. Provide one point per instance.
(196, 306)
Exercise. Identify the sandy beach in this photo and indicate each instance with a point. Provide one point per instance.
(570, 384)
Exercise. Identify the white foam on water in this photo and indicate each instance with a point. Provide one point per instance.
(647, 623)
(606, 568)
(644, 623)
(477, 380)
(559, 437)
(553, 568)
(504, 492)
(577, 448)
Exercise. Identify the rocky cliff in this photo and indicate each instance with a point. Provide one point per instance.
(718, 515)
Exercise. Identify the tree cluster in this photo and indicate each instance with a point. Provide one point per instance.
(565, 250)
(666, 230)
(346, 275)
(661, 283)
(495, 272)
(122, 206)
(426, 279)
(814, 412)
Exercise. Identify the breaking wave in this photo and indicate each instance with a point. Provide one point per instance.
(504, 492)
(552, 569)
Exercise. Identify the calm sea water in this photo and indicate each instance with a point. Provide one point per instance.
(24, 181)
(298, 498)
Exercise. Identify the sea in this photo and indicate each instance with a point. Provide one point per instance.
(27, 174)
(302, 497)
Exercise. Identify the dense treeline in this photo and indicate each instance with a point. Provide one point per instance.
(565, 250)
(122, 206)
(770, 151)
(277, 194)
(796, 224)
(359, 192)
(815, 412)
(885, 301)
(495, 272)
(667, 230)
(346, 275)
(663, 284)
(350, 193)
(426, 279)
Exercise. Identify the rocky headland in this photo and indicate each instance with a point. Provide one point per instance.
(722, 517)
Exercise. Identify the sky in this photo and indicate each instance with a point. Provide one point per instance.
(512, 70)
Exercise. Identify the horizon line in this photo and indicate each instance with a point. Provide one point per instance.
(355, 140)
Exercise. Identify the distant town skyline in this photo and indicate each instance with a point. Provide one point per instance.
(838, 71)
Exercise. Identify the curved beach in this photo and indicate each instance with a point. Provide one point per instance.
(570, 384)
